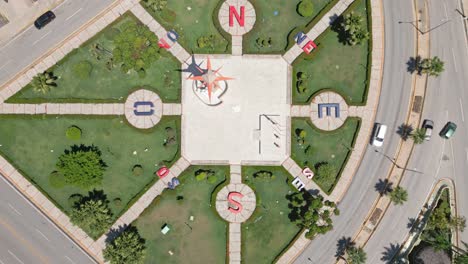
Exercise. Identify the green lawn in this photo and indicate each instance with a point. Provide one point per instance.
(277, 27)
(162, 76)
(268, 231)
(332, 147)
(333, 65)
(202, 240)
(193, 24)
(34, 143)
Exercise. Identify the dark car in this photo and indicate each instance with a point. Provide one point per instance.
(45, 19)
(448, 130)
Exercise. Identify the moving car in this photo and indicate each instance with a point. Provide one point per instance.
(448, 130)
(378, 135)
(44, 19)
(428, 126)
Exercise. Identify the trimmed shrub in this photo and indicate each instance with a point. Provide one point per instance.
(305, 8)
(137, 170)
(57, 180)
(263, 175)
(82, 69)
(74, 199)
(73, 133)
(200, 176)
(212, 179)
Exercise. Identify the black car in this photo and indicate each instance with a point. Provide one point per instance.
(44, 19)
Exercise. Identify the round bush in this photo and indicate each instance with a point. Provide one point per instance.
(57, 180)
(117, 202)
(82, 69)
(74, 199)
(137, 170)
(212, 179)
(201, 176)
(305, 8)
(73, 133)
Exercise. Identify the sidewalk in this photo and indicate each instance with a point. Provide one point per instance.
(20, 15)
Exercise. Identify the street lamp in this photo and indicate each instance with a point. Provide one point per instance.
(392, 160)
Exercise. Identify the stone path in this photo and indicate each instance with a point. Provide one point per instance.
(318, 29)
(62, 109)
(366, 113)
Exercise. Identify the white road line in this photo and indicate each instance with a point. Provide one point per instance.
(69, 259)
(14, 209)
(6, 63)
(1, 262)
(19, 260)
(42, 234)
(454, 61)
(445, 8)
(72, 15)
(466, 151)
(461, 109)
(35, 42)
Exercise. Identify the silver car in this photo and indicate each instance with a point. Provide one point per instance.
(428, 126)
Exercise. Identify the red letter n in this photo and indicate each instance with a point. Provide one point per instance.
(233, 13)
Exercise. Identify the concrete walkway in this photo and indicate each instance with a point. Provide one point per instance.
(319, 28)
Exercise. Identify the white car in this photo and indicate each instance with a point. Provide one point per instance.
(379, 135)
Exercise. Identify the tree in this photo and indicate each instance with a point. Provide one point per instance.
(326, 171)
(458, 222)
(418, 135)
(353, 29)
(92, 215)
(43, 82)
(136, 47)
(432, 66)
(155, 5)
(81, 166)
(127, 248)
(356, 255)
(305, 8)
(398, 196)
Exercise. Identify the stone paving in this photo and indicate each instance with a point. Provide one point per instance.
(62, 109)
(143, 109)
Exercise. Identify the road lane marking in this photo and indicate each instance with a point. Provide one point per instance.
(14, 209)
(42, 234)
(19, 260)
(454, 61)
(1, 262)
(6, 63)
(466, 151)
(461, 109)
(69, 259)
(72, 15)
(35, 42)
(445, 8)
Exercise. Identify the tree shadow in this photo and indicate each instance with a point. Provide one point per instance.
(384, 187)
(337, 27)
(94, 195)
(342, 245)
(390, 253)
(411, 222)
(116, 232)
(405, 130)
(412, 65)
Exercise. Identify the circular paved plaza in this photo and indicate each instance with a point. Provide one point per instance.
(328, 111)
(235, 203)
(143, 109)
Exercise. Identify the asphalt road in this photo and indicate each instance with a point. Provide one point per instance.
(27, 236)
(32, 43)
(399, 47)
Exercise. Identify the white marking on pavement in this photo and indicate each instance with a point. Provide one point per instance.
(466, 151)
(461, 109)
(1, 262)
(3, 66)
(69, 259)
(72, 15)
(19, 260)
(35, 42)
(42, 234)
(445, 8)
(14, 209)
(454, 61)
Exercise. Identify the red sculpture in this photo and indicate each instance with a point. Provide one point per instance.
(238, 205)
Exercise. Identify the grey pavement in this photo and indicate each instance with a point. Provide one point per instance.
(33, 43)
(27, 236)
(399, 47)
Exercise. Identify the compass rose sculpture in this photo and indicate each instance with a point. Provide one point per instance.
(209, 84)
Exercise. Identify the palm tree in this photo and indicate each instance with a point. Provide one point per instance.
(356, 255)
(43, 82)
(352, 22)
(359, 36)
(433, 67)
(419, 135)
(398, 196)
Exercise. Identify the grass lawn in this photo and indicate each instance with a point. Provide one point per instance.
(34, 143)
(202, 240)
(277, 27)
(268, 231)
(193, 24)
(333, 65)
(162, 76)
(332, 147)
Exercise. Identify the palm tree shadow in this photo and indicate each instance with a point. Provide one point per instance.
(412, 65)
(342, 245)
(384, 187)
(337, 27)
(390, 253)
(405, 130)
(411, 222)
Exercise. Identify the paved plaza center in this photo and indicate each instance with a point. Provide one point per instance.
(250, 123)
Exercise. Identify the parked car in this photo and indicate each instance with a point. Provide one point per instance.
(44, 19)
(378, 135)
(428, 126)
(448, 130)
